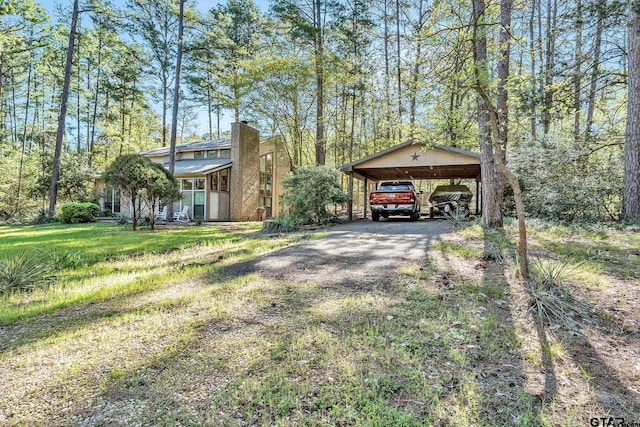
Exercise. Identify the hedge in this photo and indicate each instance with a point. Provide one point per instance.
(75, 213)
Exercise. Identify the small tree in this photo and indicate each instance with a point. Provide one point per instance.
(162, 186)
(309, 191)
(143, 181)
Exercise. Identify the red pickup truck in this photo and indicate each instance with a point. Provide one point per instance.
(394, 198)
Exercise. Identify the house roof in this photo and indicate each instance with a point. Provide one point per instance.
(190, 146)
(416, 160)
(199, 167)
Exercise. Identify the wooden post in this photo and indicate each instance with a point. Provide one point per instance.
(350, 204)
(364, 201)
(478, 195)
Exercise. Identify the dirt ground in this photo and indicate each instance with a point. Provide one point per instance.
(359, 254)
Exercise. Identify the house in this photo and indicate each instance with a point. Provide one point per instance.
(229, 180)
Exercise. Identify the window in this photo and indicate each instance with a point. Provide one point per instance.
(266, 184)
(224, 180)
(215, 179)
(193, 195)
(112, 199)
(212, 154)
(198, 154)
(225, 154)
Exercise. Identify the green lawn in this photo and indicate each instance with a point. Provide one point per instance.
(99, 241)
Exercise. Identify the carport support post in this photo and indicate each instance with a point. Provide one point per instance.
(478, 196)
(364, 201)
(350, 204)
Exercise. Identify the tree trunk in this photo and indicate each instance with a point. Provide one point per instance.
(491, 179)
(399, 71)
(96, 94)
(24, 130)
(591, 104)
(631, 188)
(387, 78)
(500, 130)
(53, 189)
(14, 111)
(319, 59)
(552, 12)
(533, 67)
(78, 139)
(577, 78)
(209, 107)
(176, 100)
(416, 73)
(498, 115)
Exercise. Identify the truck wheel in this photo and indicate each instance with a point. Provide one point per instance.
(375, 216)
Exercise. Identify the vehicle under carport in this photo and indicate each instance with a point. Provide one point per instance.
(413, 161)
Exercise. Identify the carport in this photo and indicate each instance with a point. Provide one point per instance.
(413, 161)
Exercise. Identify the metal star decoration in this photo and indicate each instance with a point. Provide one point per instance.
(415, 156)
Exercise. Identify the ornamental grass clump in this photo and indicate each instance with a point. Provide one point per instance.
(24, 272)
(554, 306)
(456, 217)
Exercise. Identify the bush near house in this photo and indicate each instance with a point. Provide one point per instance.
(76, 213)
(309, 190)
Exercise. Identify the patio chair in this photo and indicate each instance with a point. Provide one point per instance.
(182, 216)
(162, 215)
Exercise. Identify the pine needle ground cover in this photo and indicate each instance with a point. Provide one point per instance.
(199, 332)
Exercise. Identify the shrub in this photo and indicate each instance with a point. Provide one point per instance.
(76, 213)
(309, 191)
(568, 182)
(61, 259)
(44, 218)
(24, 272)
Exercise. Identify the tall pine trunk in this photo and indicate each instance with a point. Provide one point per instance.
(597, 47)
(492, 180)
(53, 189)
(631, 192)
(319, 59)
(577, 78)
(24, 130)
(176, 100)
(413, 94)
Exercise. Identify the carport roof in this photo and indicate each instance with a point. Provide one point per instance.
(416, 160)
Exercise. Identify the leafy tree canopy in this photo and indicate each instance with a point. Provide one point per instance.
(143, 181)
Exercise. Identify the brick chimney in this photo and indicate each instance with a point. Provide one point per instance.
(245, 172)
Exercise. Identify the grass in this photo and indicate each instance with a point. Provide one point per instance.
(457, 249)
(99, 241)
(172, 339)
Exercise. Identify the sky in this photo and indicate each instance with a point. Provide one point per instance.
(203, 6)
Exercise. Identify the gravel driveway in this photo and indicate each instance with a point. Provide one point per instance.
(359, 254)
